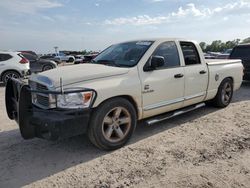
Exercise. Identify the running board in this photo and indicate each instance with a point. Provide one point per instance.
(169, 115)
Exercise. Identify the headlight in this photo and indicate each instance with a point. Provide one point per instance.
(75, 100)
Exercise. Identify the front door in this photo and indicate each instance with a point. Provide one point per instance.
(163, 88)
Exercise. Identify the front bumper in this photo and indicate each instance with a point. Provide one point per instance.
(25, 73)
(53, 125)
(49, 124)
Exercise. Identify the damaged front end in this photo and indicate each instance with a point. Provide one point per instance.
(51, 123)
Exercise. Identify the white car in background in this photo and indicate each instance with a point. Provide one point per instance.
(13, 65)
(63, 57)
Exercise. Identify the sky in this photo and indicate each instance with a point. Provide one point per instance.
(40, 25)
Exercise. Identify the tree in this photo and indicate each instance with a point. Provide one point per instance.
(219, 46)
(203, 46)
(247, 40)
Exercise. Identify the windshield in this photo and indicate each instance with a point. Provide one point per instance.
(124, 54)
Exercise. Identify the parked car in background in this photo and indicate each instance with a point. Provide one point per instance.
(242, 52)
(228, 51)
(13, 65)
(222, 56)
(28, 51)
(37, 64)
(87, 58)
(65, 58)
(208, 56)
(79, 59)
(214, 53)
(51, 57)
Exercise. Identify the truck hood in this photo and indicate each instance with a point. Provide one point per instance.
(77, 73)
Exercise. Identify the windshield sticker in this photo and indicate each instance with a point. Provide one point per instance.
(144, 43)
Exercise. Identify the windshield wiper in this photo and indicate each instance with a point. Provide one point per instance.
(107, 62)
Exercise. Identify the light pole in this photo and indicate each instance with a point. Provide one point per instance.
(56, 49)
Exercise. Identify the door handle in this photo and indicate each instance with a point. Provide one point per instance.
(203, 72)
(178, 75)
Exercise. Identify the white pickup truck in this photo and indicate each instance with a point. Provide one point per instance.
(152, 79)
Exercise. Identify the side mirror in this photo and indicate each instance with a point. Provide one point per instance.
(154, 62)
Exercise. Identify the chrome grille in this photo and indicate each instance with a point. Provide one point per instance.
(41, 100)
(41, 87)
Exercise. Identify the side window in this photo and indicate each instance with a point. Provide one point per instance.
(5, 57)
(190, 53)
(169, 51)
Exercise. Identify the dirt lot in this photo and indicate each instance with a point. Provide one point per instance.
(206, 148)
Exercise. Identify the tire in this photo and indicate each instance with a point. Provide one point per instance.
(47, 67)
(224, 94)
(71, 60)
(9, 74)
(112, 124)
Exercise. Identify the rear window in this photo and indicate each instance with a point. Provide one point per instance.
(29, 57)
(5, 57)
(241, 52)
(190, 53)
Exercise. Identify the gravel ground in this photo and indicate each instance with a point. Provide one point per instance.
(205, 148)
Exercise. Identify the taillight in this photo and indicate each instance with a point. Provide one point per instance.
(24, 61)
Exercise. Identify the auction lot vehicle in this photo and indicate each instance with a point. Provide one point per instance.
(63, 57)
(242, 52)
(51, 57)
(146, 79)
(86, 58)
(12, 65)
(37, 64)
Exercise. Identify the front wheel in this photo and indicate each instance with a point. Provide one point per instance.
(112, 124)
(224, 94)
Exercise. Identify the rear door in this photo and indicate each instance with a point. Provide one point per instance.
(196, 74)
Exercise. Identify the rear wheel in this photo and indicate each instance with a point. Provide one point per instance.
(9, 74)
(224, 94)
(47, 67)
(112, 124)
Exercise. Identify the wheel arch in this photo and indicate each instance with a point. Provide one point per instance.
(128, 98)
(47, 65)
(8, 70)
(228, 77)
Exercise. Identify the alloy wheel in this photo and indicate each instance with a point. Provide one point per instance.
(10, 75)
(226, 93)
(116, 124)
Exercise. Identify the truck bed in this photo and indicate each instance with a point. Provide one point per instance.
(220, 69)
